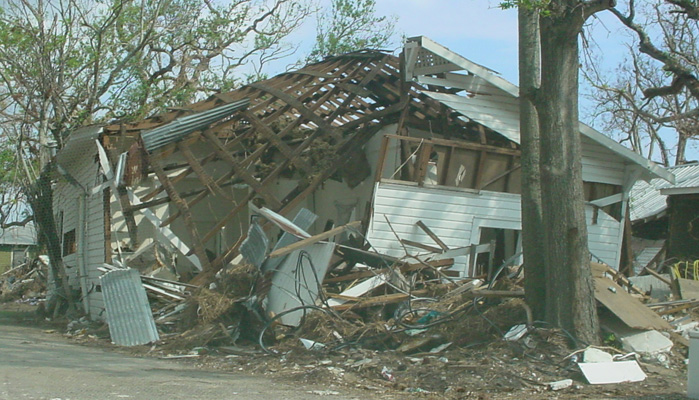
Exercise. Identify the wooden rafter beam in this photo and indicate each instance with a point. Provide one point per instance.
(183, 207)
(240, 171)
(198, 169)
(299, 106)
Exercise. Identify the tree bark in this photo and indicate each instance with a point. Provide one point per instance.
(570, 301)
(41, 201)
(532, 227)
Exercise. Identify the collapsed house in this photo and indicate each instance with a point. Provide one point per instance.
(423, 149)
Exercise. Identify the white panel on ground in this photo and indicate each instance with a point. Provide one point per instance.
(297, 281)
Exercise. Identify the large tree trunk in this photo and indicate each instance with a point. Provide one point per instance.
(40, 196)
(532, 227)
(570, 301)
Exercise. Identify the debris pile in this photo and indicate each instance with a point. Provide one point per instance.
(353, 314)
(25, 282)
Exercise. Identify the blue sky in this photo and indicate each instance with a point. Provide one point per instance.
(482, 32)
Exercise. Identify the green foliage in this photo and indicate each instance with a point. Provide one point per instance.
(351, 25)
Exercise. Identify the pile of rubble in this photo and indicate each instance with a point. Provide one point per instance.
(352, 312)
(26, 282)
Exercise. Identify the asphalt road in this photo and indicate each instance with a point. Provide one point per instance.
(38, 365)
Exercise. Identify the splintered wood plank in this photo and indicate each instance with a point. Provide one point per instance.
(378, 300)
(313, 239)
(269, 134)
(181, 204)
(403, 268)
(432, 235)
(421, 246)
(220, 149)
(382, 159)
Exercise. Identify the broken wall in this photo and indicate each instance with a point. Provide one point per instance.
(459, 216)
(80, 223)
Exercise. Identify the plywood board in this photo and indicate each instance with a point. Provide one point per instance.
(626, 307)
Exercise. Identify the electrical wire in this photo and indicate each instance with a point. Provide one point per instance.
(260, 339)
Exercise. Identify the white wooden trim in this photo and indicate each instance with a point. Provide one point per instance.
(609, 200)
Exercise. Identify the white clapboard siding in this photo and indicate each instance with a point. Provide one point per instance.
(600, 164)
(451, 215)
(85, 171)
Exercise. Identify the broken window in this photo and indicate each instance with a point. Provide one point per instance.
(69, 243)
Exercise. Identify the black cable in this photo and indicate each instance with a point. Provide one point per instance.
(260, 339)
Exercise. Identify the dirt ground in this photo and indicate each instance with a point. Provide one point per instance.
(473, 367)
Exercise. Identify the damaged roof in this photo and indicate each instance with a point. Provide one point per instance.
(649, 199)
(491, 100)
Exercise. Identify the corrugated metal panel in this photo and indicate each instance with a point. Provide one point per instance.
(128, 312)
(646, 199)
(297, 281)
(304, 219)
(687, 176)
(254, 247)
(645, 257)
(174, 131)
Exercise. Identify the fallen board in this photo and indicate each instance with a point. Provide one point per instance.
(626, 307)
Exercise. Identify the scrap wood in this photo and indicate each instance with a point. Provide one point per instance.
(379, 300)
(162, 292)
(495, 293)
(313, 239)
(370, 258)
(421, 246)
(600, 269)
(657, 275)
(14, 269)
(432, 235)
(679, 308)
(626, 307)
(403, 268)
(152, 278)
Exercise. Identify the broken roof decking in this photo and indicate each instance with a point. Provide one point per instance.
(649, 199)
(492, 100)
(340, 103)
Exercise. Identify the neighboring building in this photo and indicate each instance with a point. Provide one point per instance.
(17, 245)
(661, 210)
(353, 137)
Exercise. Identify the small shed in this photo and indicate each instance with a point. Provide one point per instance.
(17, 245)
